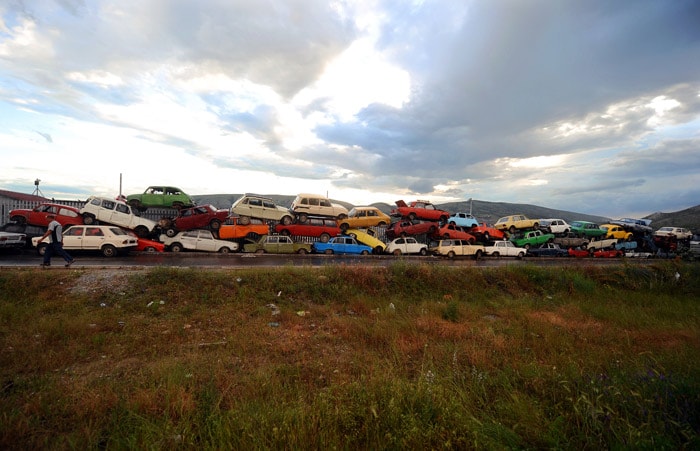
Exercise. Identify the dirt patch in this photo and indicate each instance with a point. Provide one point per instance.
(97, 280)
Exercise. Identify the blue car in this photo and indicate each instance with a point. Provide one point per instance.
(342, 245)
(463, 220)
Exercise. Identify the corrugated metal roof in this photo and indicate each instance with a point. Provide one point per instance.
(22, 196)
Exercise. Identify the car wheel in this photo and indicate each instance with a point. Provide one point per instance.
(225, 250)
(302, 251)
(378, 250)
(364, 252)
(149, 249)
(215, 224)
(536, 225)
(451, 254)
(170, 232)
(134, 203)
(527, 246)
(176, 247)
(244, 220)
(328, 251)
(41, 249)
(178, 205)
(341, 216)
(19, 219)
(325, 237)
(286, 232)
(397, 252)
(286, 220)
(109, 251)
(477, 255)
(512, 230)
(496, 254)
(521, 255)
(424, 251)
(141, 231)
(302, 218)
(381, 224)
(88, 219)
(260, 251)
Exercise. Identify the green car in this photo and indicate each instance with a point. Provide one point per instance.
(587, 229)
(532, 238)
(160, 196)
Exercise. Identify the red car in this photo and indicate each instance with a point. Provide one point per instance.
(453, 231)
(608, 253)
(406, 228)
(320, 228)
(65, 215)
(485, 233)
(420, 209)
(579, 253)
(199, 217)
(146, 245)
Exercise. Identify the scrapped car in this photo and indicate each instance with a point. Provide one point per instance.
(608, 253)
(678, 232)
(463, 220)
(364, 217)
(532, 238)
(305, 205)
(367, 237)
(28, 230)
(199, 217)
(160, 196)
(260, 207)
(616, 231)
(108, 239)
(277, 244)
(12, 240)
(571, 240)
(342, 245)
(504, 249)
(453, 231)
(410, 228)
(484, 233)
(420, 209)
(513, 223)
(454, 248)
(65, 215)
(323, 229)
(635, 225)
(587, 229)
(406, 245)
(147, 245)
(548, 250)
(117, 213)
(198, 240)
(578, 253)
(608, 243)
(555, 226)
(234, 229)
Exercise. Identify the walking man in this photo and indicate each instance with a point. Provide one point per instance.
(56, 231)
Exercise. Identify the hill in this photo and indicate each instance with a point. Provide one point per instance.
(688, 218)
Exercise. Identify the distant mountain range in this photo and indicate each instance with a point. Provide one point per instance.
(489, 212)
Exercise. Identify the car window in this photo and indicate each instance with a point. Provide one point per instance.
(108, 204)
(268, 204)
(93, 231)
(74, 231)
(191, 234)
(122, 208)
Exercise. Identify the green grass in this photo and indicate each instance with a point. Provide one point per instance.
(403, 357)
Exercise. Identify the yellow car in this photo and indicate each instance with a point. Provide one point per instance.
(364, 217)
(367, 237)
(616, 231)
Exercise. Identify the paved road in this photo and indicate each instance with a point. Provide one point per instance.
(13, 259)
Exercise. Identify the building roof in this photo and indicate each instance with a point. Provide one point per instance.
(22, 196)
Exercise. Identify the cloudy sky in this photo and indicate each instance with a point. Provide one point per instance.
(590, 106)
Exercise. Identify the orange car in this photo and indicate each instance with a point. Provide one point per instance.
(234, 231)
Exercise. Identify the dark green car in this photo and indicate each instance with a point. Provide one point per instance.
(587, 229)
(160, 196)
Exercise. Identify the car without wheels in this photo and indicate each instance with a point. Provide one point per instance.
(198, 240)
(587, 229)
(276, 244)
(678, 232)
(504, 249)
(108, 239)
(115, 212)
(10, 240)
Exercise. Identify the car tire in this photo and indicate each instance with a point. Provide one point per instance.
(477, 255)
(324, 238)
(451, 254)
(170, 232)
(521, 255)
(286, 232)
(424, 252)
(397, 252)
(260, 251)
(527, 246)
(496, 255)
(286, 220)
(41, 249)
(19, 220)
(176, 247)
(141, 231)
(88, 219)
(302, 218)
(302, 251)
(215, 224)
(225, 250)
(149, 249)
(381, 224)
(364, 252)
(244, 220)
(109, 251)
(512, 230)
(328, 251)
(378, 250)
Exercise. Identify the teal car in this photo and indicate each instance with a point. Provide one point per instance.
(587, 229)
(532, 238)
(160, 196)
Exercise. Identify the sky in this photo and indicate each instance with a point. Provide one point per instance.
(590, 106)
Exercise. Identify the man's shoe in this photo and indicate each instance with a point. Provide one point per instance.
(70, 263)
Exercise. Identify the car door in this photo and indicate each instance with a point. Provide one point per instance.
(206, 242)
(284, 245)
(186, 220)
(93, 237)
(73, 238)
(120, 213)
(152, 196)
(190, 239)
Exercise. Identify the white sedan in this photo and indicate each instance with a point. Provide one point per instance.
(110, 240)
(198, 240)
(679, 232)
(406, 245)
(505, 249)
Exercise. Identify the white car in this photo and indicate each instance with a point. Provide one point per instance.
(679, 232)
(253, 206)
(198, 240)
(406, 245)
(10, 239)
(555, 226)
(305, 205)
(110, 240)
(505, 249)
(115, 212)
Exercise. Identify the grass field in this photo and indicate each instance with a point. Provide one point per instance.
(403, 357)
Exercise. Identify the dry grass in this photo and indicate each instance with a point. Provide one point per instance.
(408, 356)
